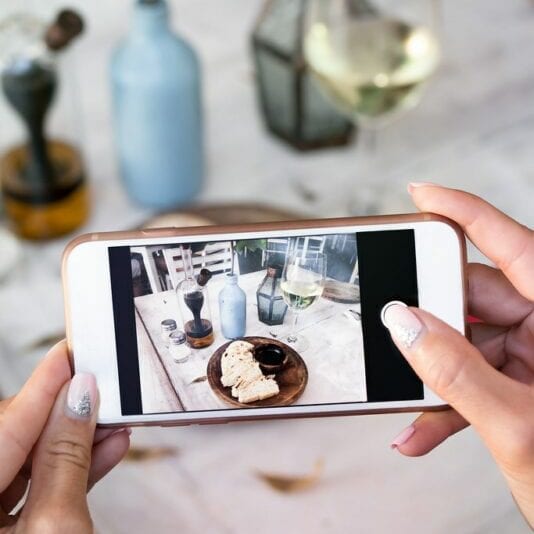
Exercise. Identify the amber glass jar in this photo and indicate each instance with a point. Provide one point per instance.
(53, 210)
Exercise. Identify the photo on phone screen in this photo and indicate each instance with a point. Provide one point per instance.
(263, 322)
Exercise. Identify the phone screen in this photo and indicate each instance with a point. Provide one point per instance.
(264, 322)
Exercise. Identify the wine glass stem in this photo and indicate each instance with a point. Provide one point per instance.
(292, 337)
(368, 143)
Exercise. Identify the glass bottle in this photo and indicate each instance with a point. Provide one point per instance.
(156, 83)
(232, 309)
(271, 306)
(193, 300)
(42, 177)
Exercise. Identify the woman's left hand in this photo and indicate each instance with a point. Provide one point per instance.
(47, 436)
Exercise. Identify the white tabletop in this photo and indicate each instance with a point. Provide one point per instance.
(474, 130)
(334, 358)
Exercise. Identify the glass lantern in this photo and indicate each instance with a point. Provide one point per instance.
(42, 175)
(271, 306)
(193, 300)
(293, 107)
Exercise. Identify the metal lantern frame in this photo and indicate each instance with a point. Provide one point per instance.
(296, 63)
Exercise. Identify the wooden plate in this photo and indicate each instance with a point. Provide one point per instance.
(292, 379)
(209, 214)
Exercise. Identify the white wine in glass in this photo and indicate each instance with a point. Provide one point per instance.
(300, 295)
(372, 67)
(302, 284)
(372, 59)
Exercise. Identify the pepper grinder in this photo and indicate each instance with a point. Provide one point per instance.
(42, 179)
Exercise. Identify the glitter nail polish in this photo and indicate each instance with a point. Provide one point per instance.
(403, 324)
(81, 396)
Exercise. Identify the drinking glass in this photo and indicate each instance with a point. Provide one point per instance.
(372, 59)
(302, 284)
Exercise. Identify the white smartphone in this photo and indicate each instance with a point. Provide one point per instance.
(217, 324)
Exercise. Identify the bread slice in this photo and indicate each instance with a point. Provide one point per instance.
(237, 358)
(243, 374)
(231, 365)
(248, 375)
(239, 347)
(262, 388)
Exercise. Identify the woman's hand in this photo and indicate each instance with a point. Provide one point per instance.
(489, 383)
(47, 435)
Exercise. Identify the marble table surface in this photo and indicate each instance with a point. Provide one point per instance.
(474, 129)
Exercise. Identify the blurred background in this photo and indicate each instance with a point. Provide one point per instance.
(117, 115)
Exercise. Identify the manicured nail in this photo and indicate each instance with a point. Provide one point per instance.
(402, 323)
(81, 396)
(403, 437)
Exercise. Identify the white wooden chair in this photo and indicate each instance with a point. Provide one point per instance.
(217, 257)
(150, 266)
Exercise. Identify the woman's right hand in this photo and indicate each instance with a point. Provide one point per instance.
(489, 383)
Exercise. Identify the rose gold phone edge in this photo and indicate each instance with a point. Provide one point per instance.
(299, 224)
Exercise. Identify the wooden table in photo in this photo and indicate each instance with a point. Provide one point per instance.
(334, 358)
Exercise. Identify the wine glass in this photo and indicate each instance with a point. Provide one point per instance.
(302, 284)
(372, 59)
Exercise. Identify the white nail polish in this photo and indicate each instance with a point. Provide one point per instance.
(403, 324)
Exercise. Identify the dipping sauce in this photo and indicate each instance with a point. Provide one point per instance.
(271, 357)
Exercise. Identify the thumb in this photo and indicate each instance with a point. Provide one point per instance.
(452, 367)
(58, 494)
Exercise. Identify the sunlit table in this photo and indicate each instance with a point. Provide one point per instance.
(334, 358)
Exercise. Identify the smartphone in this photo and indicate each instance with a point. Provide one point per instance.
(217, 324)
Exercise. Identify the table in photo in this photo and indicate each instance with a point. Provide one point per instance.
(335, 358)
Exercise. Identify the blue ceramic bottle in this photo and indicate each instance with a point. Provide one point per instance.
(232, 308)
(157, 110)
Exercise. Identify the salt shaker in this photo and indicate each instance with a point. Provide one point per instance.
(178, 347)
(168, 326)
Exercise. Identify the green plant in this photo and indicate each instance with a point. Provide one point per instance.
(250, 245)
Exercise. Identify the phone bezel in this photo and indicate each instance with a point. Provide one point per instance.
(91, 338)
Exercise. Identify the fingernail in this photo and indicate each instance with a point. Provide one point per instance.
(415, 185)
(81, 396)
(402, 323)
(403, 437)
(129, 431)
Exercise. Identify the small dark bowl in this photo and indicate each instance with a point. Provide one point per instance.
(271, 357)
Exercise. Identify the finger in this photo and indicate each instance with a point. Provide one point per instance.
(493, 298)
(62, 458)
(428, 431)
(504, 241)
(107, 454)
(102, 433)
(25, 417)
(16, 490)
(490, 340)
(454, 368)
